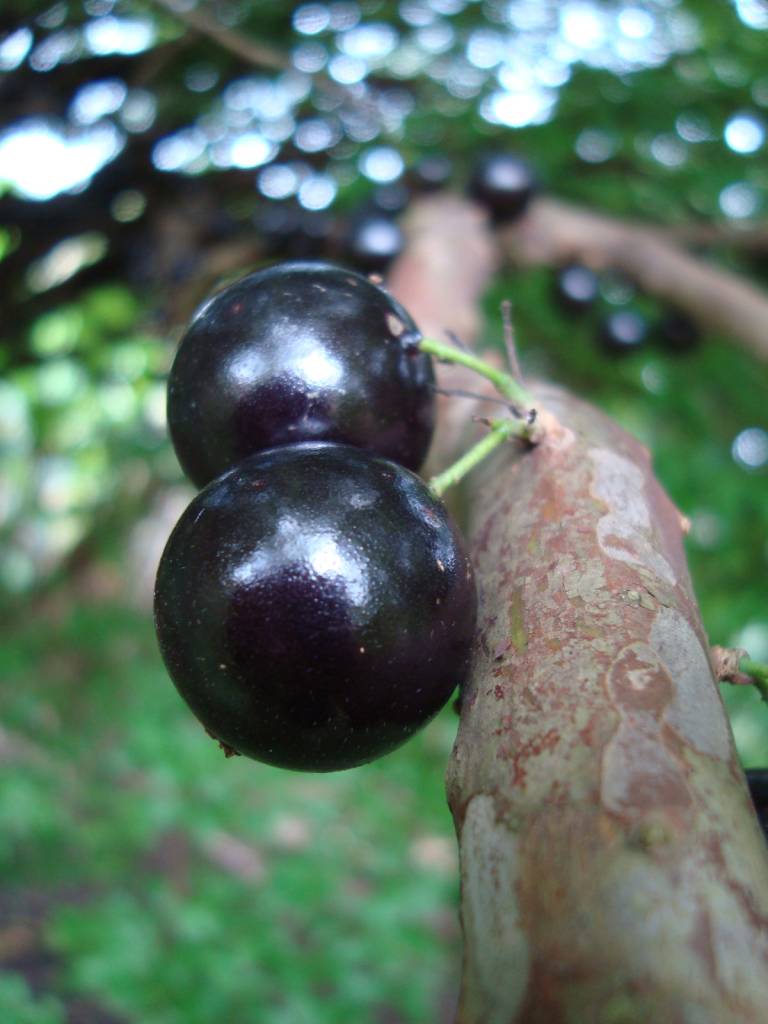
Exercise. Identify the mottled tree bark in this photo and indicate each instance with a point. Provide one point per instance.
(612, 869)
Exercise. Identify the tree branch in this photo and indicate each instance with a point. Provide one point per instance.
(610, 855)
(238, 44)
(553, 233)
(750, 236)
(611, 864)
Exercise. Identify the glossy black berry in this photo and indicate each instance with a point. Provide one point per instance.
(757, 780)
(301, 351)
(576, 288)
(504, 183)
(623, 331)
(373, 243)
(315, 606)
(678, 333)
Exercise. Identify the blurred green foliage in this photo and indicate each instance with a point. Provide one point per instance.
(146, 878)
(205, 888)
(18, 1003)
(81, 428)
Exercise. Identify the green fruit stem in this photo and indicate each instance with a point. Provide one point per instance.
(505, 384)
(522, 404)
(759, 674)
(501, 430)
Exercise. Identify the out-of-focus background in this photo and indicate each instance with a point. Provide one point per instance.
(145, 155)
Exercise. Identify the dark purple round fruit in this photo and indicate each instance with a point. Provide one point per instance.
(623, 332)
(504, 183)
(390, 200)
(432, 173)
(374, 242)
(678, 333)
(315, 606)
(299, 352)
(757, 780)
(289, 230)
(576, 288)
(278, 226)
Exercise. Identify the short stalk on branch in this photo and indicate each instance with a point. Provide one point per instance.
(520, 402)
(734, 665)
(501, 430)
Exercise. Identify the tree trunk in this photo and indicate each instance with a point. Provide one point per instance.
(612, 869)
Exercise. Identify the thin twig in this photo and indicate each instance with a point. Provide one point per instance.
(521, 402)
(236, 42)
(509, 341)
(751, 236)
(461, 393)
(257, 54)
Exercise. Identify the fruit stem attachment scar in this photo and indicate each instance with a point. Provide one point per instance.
(734, 665)
(501, 431)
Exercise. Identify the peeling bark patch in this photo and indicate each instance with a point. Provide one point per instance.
(624, 532)
(639, 774)
(695, 711)
(496, 948)
(588, 585)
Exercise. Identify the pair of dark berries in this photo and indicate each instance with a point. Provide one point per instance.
(577, 291)
(503, 183)
(370, 242)
(315, 605)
